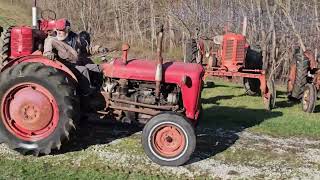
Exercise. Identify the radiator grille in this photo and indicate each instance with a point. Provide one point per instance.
(240, 51)
(229, 50)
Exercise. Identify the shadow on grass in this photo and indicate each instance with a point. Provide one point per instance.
(95, 132)
(287, 103)
(222, 86)
(317, 109)
(215, 99)
(219, 127)
(286, 100)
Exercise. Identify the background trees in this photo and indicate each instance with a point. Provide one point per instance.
(276, 25)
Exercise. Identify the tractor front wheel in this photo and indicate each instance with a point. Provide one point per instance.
(169, 139)
(39, 108)
(309, 98)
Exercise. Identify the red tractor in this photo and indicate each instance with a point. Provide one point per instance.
(304, 79)
(40, 104)
(231, 56)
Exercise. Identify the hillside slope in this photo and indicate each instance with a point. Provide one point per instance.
(14, 14)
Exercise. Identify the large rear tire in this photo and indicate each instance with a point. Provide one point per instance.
(169, 139)
(39, 108)
(253, 61)
(302, 68)
(5, 41)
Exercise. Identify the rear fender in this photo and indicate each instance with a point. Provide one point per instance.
(40, 59)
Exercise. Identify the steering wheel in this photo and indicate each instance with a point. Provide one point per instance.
(48, 14)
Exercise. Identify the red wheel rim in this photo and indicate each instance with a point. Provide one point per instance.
(29, 111)
(168, 141)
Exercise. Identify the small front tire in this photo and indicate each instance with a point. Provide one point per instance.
(169, 139)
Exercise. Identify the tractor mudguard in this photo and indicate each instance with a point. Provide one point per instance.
(43, 60)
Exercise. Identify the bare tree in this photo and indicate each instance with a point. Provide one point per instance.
(276, 25)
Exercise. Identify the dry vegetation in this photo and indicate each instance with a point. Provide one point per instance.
(276, 25)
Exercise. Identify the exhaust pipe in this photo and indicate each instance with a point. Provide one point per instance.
(244, 26)
(125, 49)
(34, 15)
(159, 71)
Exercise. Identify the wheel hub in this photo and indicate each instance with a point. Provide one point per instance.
(169, 141)
(29, 111)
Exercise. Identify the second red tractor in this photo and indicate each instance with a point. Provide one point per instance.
(230, 56)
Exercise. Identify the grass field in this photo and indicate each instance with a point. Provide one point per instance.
(13, 15)
(226, 106)
(102, 151)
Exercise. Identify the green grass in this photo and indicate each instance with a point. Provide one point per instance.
(90, 168)
(13, 14)
(257, 158)
(226, 106)
(131, 145)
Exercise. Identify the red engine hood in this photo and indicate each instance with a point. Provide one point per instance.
(137, 69)
(173, 72)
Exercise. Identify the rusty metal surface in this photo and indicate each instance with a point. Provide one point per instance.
(111, 101)
(125, 49)
(138, 110)
(159, 70)
(310, 56)
(29, 111)
(235, 74)
(145, 105)
(291, 77)
(233, 51)
(316, 79)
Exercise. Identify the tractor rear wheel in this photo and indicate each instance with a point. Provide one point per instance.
(253, 61)
(169, 139)
(309, 98)
(302, 68)
(5, 46)
(39, 108)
